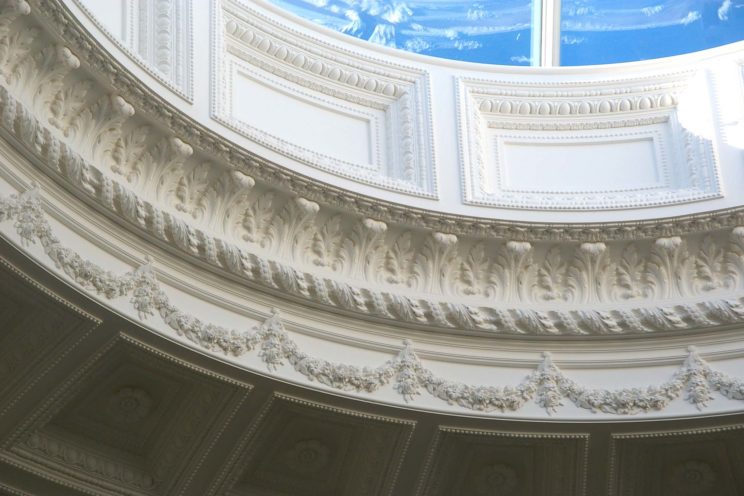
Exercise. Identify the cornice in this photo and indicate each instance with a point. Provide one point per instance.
(611, 282)
(437, 266)
(64, 25)
(547, 385)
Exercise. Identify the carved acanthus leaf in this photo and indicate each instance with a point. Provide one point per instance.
(709, 264)
(296, 223)
(397, 264)
(513, 261)
(434, 266)
(158, 160)
(629, 274)
(53, 64)
(550, 277)
(476, 274)
(68, 103)
(126, 150)
(324, 246)
(667, 267)
(96, 128)
(587, 274)
(362, 248)
(16, 43)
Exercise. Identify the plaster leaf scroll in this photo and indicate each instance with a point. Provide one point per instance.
(397, 266)
(514, 261)
(15, 43)
(434, 263)
(476, 273)
(363, 246)
(551, 276)
(709, 264)
(629, 274)
(587, 273)
(667, 267)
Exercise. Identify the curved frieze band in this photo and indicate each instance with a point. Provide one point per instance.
(588, 276)
(538, 281)
(695, 380)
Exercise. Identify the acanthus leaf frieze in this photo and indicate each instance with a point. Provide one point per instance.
(161, 183)
(695, 380)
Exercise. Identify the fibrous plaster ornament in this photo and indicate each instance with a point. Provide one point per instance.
(225, 156)
(157, 35)
(550, 280)
(387, 105)
(509, 132)
(547, 385)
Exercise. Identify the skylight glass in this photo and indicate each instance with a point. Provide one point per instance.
(515, 32)
(489, 31)
(607, 31)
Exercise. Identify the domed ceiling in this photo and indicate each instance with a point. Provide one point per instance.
(244, 255)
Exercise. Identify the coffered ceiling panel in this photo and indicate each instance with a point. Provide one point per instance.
(36, 330)
(129, 421)
(301, 448)
(471, 462)
(705, 462)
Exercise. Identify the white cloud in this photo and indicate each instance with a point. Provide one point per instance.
(723, 10)
(417, 45)
(397, 13)
(572, 40)
(475, 14)
(467, 45)
(649, 11)
(691, 17)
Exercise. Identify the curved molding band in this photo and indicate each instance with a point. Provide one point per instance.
(223, 155)
(547, 385)
(610, 280)
(555, 288)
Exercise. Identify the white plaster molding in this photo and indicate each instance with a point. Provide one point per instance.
(679, 166)
(547, 385)
(222, 151)
(433, 265)
(160, 184)
(393, 100)
(158, 36)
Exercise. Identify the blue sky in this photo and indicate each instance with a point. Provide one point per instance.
(498, 31)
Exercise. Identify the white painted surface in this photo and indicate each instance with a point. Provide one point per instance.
(336, 132)
(569, 167)
(703, 86)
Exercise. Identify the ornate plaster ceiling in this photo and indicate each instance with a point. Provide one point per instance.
(185, 315)
(107, 407)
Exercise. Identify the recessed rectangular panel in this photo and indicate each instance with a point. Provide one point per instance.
(112, 14)
(337, 133)
(578, 166)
